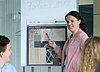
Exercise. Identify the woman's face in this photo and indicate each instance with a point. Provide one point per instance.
(72, 23)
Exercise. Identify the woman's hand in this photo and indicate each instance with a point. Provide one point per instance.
(52, 43)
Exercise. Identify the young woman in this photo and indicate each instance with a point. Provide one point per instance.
(72, 48)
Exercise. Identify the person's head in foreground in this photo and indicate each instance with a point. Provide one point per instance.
(5, 50)
(90, 55)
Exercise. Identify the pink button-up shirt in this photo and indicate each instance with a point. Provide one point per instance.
(73, 50)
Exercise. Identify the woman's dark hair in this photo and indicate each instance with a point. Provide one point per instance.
(3, 42)
(82, 24)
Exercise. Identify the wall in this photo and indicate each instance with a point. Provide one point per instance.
(85, 2)
(96, 18)
(1, 16)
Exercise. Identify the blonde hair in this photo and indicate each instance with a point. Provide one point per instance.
(90, 54)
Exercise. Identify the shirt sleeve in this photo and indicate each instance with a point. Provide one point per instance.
(58, 51)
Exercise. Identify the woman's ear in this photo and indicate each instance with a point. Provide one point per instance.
(79, 21)
(1, 54)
